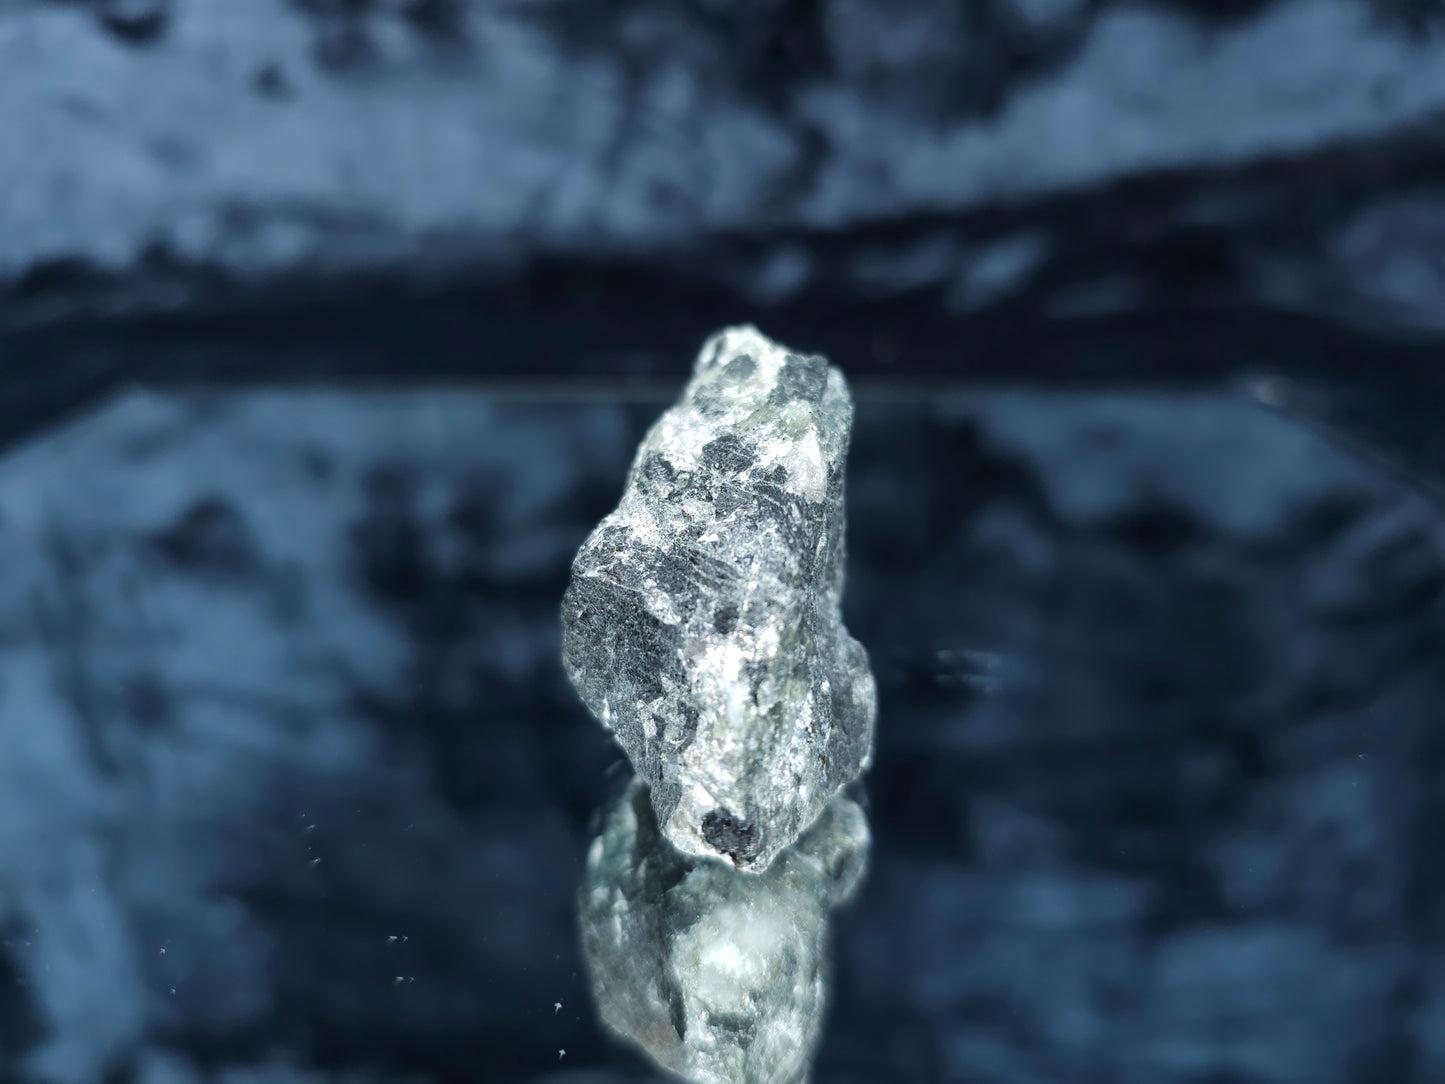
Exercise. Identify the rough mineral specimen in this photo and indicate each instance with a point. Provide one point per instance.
(702, 622)
(718, 975)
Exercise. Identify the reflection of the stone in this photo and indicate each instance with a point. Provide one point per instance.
(718, 975)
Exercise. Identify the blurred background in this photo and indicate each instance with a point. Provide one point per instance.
(328, 329)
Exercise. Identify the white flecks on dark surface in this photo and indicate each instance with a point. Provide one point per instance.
(1203, 616)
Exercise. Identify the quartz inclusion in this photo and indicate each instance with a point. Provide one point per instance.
(702, 622)
(717, 974)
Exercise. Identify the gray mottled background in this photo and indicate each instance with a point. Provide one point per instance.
(1294, 143)
(294, 787)
(327, 330)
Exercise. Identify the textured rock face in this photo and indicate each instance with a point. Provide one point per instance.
(702, 622)
(716, 974)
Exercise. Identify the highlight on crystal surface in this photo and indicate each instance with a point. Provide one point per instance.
(716, 974)
(702, 622)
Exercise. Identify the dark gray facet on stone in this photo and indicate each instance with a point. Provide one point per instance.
(702, 622)
(718, 975)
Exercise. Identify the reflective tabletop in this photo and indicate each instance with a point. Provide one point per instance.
(293, 788)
